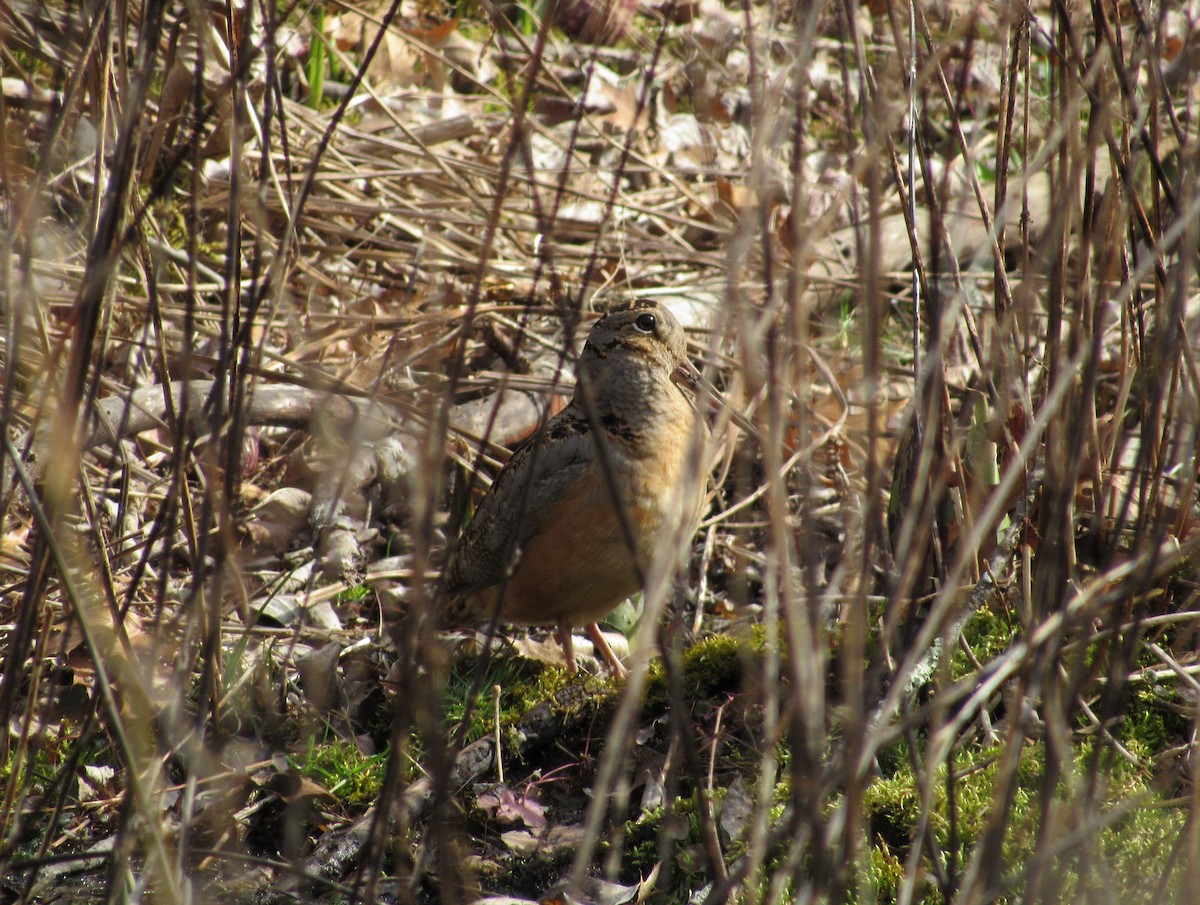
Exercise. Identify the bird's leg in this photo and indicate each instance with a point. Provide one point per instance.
(564, 638)
(615, 666)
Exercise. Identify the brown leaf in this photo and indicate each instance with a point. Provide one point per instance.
(432, 32)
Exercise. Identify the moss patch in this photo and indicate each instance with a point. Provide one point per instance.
(343, 771)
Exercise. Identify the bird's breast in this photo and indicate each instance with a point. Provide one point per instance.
(655, 469)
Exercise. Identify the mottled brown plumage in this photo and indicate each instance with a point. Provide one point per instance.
(547, 545)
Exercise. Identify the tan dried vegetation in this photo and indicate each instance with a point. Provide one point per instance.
(282, 286)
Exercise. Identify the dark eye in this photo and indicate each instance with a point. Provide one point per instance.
(646, 323)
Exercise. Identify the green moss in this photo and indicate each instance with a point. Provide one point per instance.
(522, 684)
(673, 832)
(1132, 851)
(1154, 717)
(1137, 847)
(523, 876)
(989, 634)
(511, 88)
(715, 663)
(473, 21)
(358, 592)
(882, 873)
(33, 768)
(641, 841)
(711, 665)
(894, 804)
(342, 770)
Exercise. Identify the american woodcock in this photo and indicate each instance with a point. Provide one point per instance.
(573, 521)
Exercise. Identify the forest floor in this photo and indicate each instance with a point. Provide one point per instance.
(282, 289)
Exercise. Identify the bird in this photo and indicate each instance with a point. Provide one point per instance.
(573, 520)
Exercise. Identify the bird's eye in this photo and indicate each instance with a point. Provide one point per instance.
(646, 323)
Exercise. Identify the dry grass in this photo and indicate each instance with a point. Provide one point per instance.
(935, 640)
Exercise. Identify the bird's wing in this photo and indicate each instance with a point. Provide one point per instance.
(541, 471)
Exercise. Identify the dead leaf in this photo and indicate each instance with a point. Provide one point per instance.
(432, 32)
(508, 806)
(737, 810)
(274, 524)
